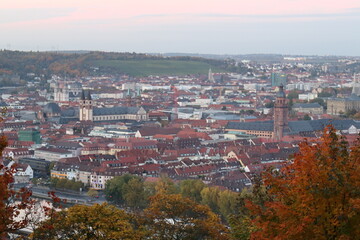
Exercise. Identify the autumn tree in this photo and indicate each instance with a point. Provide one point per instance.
(171, 216)
(317, 196)
(15, 206)
(166, 186)
(89, 222)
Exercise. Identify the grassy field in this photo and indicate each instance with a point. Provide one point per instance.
(156, 67)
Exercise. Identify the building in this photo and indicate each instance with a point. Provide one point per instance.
(265, 129)
(278, 79)
(31, 135)
(64, 91)
(309, 108)
(41, 167)
(52, 154)
(88, 112)
(280, 114)
(211, 76)
(338, 106)
(23, 172)
(356, 86)
(50, 110)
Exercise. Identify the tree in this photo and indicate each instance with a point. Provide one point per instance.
(241, 220)
(114, 189)
(192, 189)
(307, 117)
(320, 101)
(171, 216)
(210, 197)
(293, 95)
(166, 185)
(89, 222)
(317, 196)
(227, 203)
(134, 194)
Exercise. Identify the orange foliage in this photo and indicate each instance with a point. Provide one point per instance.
(315, 197)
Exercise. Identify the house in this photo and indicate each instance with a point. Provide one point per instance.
(40, 166)
(23, 173)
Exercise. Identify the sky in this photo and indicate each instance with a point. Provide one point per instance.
(305, 27)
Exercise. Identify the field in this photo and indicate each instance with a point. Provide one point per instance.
(156, 67)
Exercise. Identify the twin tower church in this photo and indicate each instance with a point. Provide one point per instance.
(88, 111)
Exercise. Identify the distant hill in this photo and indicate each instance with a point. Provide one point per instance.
(83, 63)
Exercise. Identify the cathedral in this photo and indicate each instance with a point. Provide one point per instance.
(66, 91)
(88, 111)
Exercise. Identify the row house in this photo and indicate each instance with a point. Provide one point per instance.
(73, 147)
(95, 148)
(17, 153)
(101, 175)
(195, 171)
(133, 144)
(80, 172)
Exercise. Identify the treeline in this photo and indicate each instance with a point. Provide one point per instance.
(63, 183)
(130, 191)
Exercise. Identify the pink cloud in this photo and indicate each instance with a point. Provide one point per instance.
(174, 10)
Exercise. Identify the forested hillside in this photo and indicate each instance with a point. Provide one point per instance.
(92, 63)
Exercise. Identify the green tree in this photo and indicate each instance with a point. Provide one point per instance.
(210, 197)
(320, 101)
(227, 203)
(114, 189)
(307, 117)
(192, 189)
(134, 194)
(293, 95)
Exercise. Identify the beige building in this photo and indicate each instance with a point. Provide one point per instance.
(339, 106)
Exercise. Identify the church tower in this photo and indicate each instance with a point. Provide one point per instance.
(280, 114)
(138, 98)
(211, 76)
(356, 86)
(86, 106)
(128, 98)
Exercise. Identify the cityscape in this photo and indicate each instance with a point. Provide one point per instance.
(101, 143)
